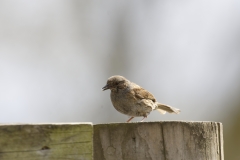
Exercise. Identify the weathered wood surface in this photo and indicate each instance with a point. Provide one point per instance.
(117, 141)
(71, 141)
(159, 141)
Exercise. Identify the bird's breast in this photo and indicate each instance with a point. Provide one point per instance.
(125, 102)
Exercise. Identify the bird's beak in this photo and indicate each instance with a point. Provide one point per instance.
(105, 87)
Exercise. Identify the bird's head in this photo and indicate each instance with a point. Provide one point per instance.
(115, 83)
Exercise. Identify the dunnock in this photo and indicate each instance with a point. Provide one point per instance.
(130, 99)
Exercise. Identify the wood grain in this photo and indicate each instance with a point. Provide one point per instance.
(158, 141)
(46, 141)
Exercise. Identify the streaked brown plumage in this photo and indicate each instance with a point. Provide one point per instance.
(130, 99)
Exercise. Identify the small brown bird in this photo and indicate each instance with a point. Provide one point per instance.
(130, 99)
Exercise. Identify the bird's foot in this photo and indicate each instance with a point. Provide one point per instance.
(143, 119)
(130, 119)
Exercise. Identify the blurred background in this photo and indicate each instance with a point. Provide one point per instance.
(55, 56)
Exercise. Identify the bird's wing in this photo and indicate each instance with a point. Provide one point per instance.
(143, 94)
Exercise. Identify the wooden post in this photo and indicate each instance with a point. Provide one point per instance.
(46, 141)
(159, 141)
(116, 141)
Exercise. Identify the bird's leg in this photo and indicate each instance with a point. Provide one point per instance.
(143, 119)
(130, 119)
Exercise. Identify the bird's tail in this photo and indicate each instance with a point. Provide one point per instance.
(162, 108)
